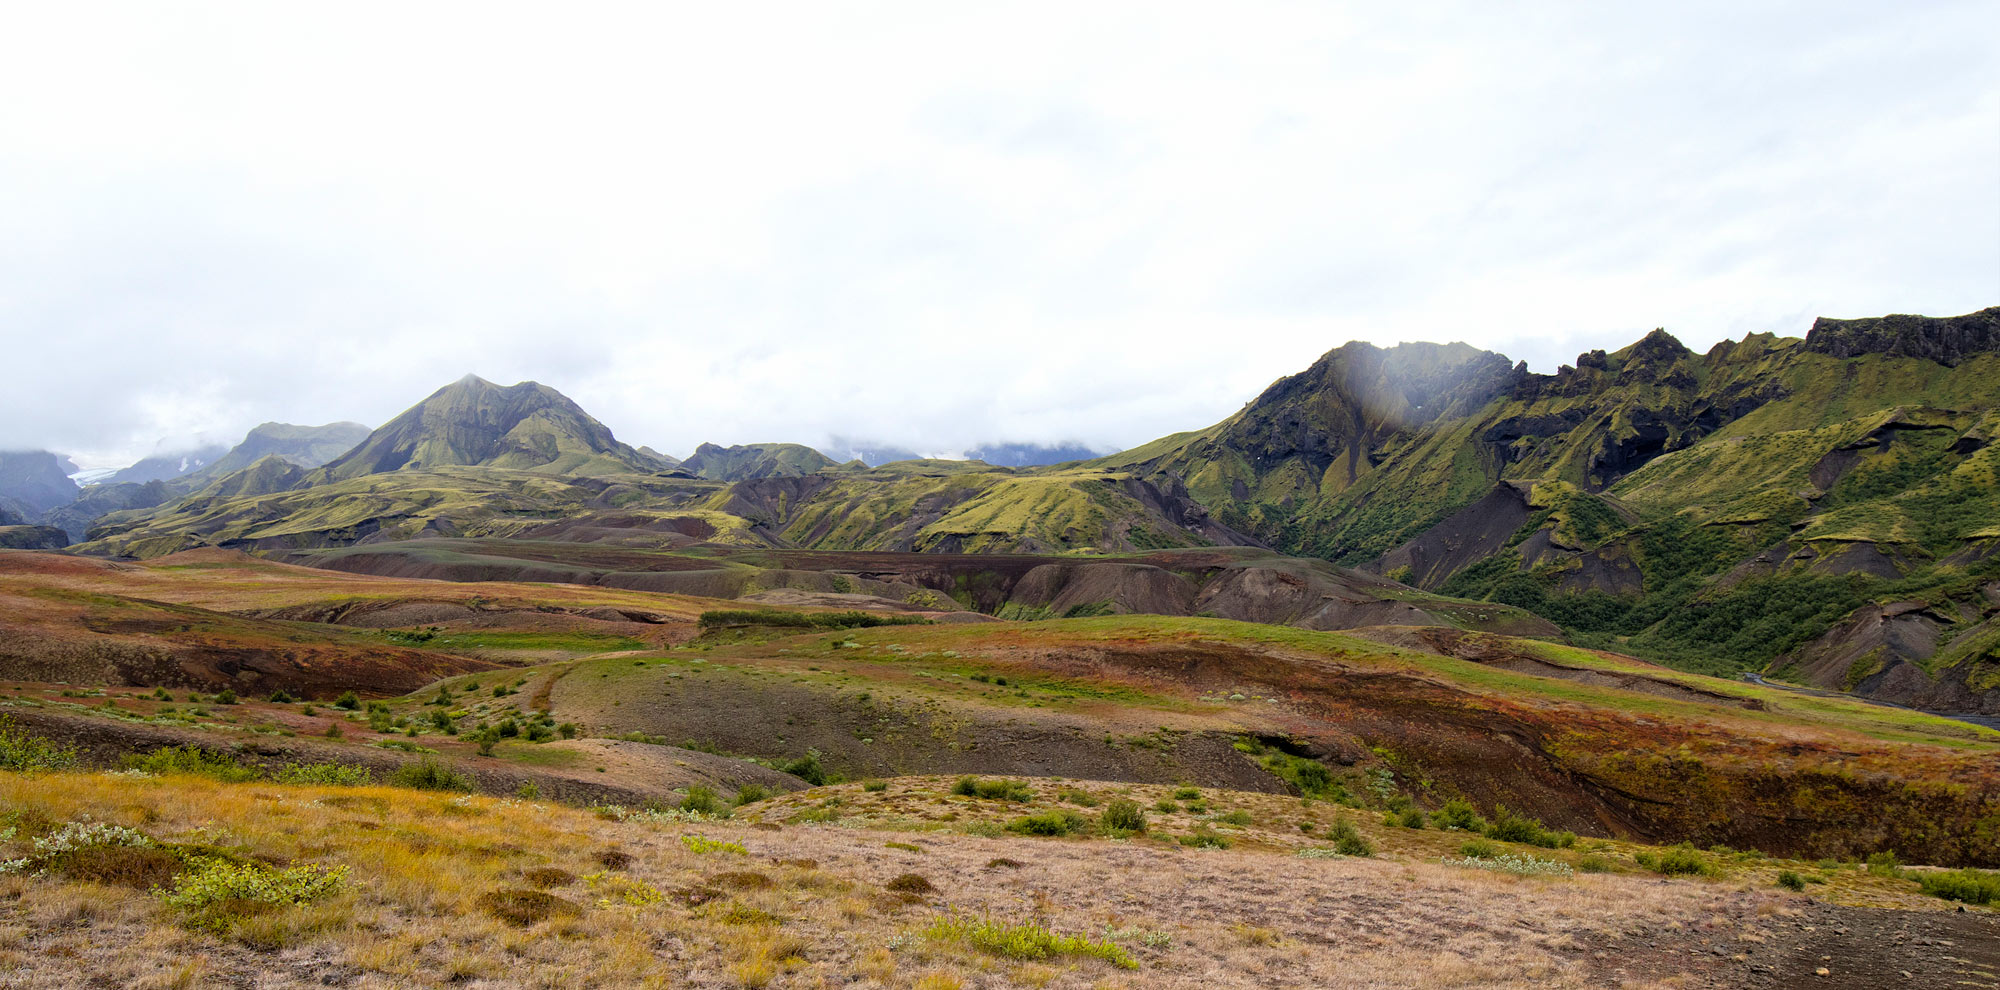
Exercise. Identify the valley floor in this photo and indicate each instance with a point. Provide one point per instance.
(470, 891)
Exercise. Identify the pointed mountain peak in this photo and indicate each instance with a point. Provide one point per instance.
(473, 422)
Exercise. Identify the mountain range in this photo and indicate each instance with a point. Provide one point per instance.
(1824, 509)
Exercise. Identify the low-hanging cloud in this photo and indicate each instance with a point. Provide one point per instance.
(936, 226)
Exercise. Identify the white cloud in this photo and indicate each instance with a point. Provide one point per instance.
(932, 225)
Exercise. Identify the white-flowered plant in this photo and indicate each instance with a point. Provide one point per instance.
(83, 835)
(1523, 866)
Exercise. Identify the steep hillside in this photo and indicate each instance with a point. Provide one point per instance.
(473, 422)
(1717, 509)
(35, 479)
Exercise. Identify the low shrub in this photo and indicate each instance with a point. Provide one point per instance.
(875, 786)
(1025, 941)
(430, 775)
(702, 801)
(1791, 881)
(215, 892)
(1510, 827)
(1969, 886)
(1411, 818)
(1347, 840)
(1166, 806)
(1518, 865)
(1460, 815)
(750, 794)
(347, 700)
(1204, 838)
(1593, 863)
(1123, 816)
(1187, 793)
(1883, 864)
(1078, 797)
(1681, 861)
(325, 774)
(704, 844)
(1056, 822)
(194, 760)
(992, 790)
(24, 753)
(807, 768)
(1478, 849)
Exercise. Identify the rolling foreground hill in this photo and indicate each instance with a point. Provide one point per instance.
(331, 778)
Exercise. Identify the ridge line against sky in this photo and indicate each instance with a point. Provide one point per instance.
(937, 227)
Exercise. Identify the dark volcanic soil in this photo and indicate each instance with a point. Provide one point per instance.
(1860, 949)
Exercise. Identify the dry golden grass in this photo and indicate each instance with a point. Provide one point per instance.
(425, 867)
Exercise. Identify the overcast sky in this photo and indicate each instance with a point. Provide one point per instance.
(938, 224)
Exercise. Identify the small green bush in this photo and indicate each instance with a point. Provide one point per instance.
(1460, 815)
(1076, 796)
(875, 786)
(1411, 818)
(1883, 864)
(347, 700)
(1682, 861)
(213, 891)
(282, 697)
(1165, 806)
(1204, 838)
(1969, 886)
(1187, 793)
(430, 775)
(1347, 839)
(1593, 863)
(1237, 817)
(1123, 816)
(1510, 827)
(227, 697)
(194, 760)
(751, 794)
(1478, 849)
(1791, 881)
(1056, 822)
(326, 774)
(807, 768)
(24, 753)
(701, 801)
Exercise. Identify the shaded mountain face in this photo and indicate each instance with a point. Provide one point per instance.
(305, 446)
(36, 479)
(756, 460)
(166, 467)
(473, 422)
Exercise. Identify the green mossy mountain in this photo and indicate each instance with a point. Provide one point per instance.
(745, 462)
(1737, 510)
(305, 446)
(475, 423)
(1721, 511)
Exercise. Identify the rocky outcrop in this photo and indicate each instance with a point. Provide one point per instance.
(1946, 340)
